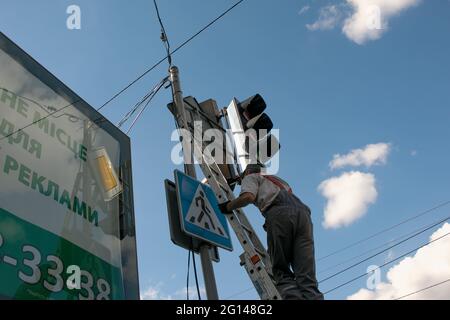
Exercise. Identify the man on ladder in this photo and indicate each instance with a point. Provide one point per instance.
(289, 232)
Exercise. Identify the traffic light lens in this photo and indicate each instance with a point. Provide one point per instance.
(253, 106)
(263, 123)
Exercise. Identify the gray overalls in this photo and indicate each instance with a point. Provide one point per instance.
(291, 247)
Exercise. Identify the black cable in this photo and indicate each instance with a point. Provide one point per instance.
(39, 120)
(384, 230)
(423, 289)
(373, 249)
(416, 233)
(427, 228)
(135, 80)
(385, 264)
(196, 278)
(141, 102)
(47, 109)
(171, 53)
(164, 37)
(187, 277)
(145, 107)
(384, 250)
(131, 84)
(239, 293)
(207, 26)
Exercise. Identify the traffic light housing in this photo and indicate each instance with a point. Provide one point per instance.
(252, 113)
(208, 113)
(251, 127)
(253, 117)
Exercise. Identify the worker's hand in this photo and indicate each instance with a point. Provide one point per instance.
(224, 208)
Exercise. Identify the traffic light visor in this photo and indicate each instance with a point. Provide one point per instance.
(253, 106)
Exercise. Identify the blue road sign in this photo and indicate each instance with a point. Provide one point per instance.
(200, 213)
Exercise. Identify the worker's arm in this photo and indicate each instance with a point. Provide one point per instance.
(249, 189)
(243, 200)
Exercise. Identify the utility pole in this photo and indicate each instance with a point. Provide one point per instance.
(189, 168)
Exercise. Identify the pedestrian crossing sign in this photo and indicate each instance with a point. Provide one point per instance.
(200, 213)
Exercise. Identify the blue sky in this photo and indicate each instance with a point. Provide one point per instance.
(326, 93)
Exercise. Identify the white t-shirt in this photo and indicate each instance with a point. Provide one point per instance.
(264, 190)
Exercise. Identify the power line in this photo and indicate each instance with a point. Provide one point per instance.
(140, 113)
(417, 231)
(164, 37)
(171, 53)
(239, 293)
(384, 250)
(142, 101)
(384, 230)
(423, 289)
(39, 120)
(373, 249)
(135, 80)
(385, 264)
(150, 98)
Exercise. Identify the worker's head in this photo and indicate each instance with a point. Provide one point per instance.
(253, 168)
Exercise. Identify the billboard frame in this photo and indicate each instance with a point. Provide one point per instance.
(126, 205)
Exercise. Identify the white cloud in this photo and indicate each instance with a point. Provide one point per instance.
(154, 293)
(157, 292)
(348, 197)
(428, 266)
(329, 17)
(370, 18)
(192, 293)
(303, 10)
(361, 20)
(371, 154)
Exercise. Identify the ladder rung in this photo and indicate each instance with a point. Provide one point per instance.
(261, 253)
(255, 252)
(249, 231)
(214, 171)
(224, 188)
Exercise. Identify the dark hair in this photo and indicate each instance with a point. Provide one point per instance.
(253, 168)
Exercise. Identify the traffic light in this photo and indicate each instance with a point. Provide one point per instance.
(257, 126)
(208, 113)
(252, 114)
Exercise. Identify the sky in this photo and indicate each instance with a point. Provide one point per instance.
(362, 112)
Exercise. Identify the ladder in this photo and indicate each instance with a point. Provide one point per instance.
(255, 258)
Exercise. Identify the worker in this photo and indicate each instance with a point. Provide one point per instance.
(289, 232)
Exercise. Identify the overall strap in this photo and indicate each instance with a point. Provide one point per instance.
(279, 183)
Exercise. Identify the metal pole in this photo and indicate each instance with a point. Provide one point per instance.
(182, 119)
(189, 168)
(208, 273)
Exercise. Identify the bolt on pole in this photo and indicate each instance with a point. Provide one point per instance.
(189, 168)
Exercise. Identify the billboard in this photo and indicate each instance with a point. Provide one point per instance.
(66, 203)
